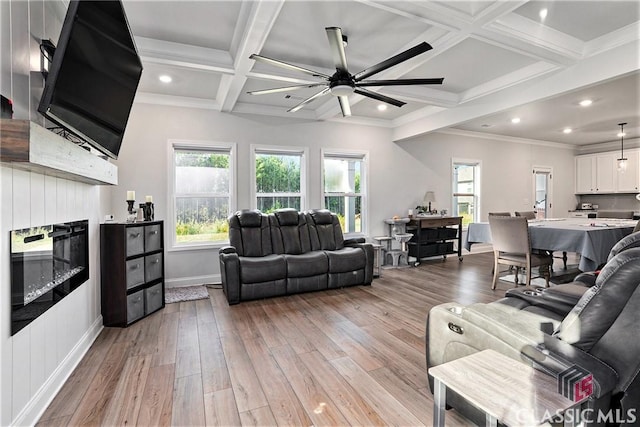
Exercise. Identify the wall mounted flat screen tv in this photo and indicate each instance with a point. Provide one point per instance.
(94, 75)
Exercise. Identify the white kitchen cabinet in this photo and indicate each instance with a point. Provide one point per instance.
(629, 180)
(606, 173)
(585, 174)
(598, 173)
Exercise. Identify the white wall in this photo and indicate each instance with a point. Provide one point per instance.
(506, 172)
(35, 362)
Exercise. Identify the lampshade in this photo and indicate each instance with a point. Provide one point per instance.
(429, 197)
(622, 161)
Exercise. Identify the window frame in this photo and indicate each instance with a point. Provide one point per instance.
(476, 180)
(363, 156)
(280, 150)
(204, 146)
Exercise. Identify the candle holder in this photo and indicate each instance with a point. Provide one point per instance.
(148, 211)
(130, 203)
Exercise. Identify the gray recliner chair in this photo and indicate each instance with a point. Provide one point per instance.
(600, 334)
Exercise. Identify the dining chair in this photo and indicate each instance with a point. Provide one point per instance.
(526, 214)
(637, 227)
(499, 213)
(512, 246)
(615, 214)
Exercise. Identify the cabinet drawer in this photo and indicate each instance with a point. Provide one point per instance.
(152, 267)
(135, 240)
(153, 298)
(135, 306)
(135, 272)
(152, 238)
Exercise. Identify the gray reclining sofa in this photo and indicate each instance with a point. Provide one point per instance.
(599, 332)
(287, 252)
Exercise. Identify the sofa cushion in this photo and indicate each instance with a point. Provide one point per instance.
(262, 269)
(346, 260)
(249, 233)
(289, 232)
(325, 231)
(306, 265)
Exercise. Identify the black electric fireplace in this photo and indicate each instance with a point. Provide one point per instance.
(47, 264)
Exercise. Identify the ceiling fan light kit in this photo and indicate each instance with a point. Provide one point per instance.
(342, 84)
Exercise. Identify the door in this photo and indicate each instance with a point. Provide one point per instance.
(606, 172)
(585, 174)
(542, 191)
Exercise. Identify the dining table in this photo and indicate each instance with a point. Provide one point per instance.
(590, 237)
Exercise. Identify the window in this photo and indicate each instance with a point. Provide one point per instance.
(202, 194)
(279, 179)
(344, 178)
(466, 186)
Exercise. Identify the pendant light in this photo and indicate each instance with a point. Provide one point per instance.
(622, 161)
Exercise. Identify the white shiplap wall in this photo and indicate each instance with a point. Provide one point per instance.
(35, 362)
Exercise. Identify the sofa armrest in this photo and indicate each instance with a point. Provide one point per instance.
(367, 248)
(354, 241)
(228, 250)
(587, 279)
(554, 356)
(230, 272)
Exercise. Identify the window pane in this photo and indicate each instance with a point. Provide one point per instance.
(201, 219)
(342, 175)
(199, 172)
(464, 206)
(269, 204)
(278, 173)
(349, 211)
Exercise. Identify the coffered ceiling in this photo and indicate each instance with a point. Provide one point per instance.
(499, 60)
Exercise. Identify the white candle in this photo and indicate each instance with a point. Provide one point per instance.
(148, 199)
(131, 195)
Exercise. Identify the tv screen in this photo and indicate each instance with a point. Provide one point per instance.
(94, 75)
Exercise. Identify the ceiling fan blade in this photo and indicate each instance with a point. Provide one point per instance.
(400, 82)
(283, 89)
(379, 97)
(394, 60)
(334, 34)
(308, 100)
(286, 65)
(344, 106)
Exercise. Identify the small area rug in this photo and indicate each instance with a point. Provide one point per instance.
(185, 293)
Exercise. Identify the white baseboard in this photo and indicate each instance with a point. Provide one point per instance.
(32, 412)
(193, 280)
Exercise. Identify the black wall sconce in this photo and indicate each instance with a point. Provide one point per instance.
(47, 50)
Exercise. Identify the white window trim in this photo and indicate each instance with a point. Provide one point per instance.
(275, 149)
(359, 154)
(181, 144)
(477, 179)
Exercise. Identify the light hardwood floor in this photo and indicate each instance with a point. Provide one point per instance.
(353, 356)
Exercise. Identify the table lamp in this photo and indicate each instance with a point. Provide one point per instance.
(429, 197)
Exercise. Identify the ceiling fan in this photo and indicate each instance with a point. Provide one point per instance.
(342, 83)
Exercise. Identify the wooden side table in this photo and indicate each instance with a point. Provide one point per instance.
(503, 388)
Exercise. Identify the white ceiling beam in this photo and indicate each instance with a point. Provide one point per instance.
(182, 55)
(261, 18)
(176, 101)
(610, 64)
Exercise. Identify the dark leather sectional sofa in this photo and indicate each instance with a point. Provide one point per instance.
(589, 323)
(288, 252)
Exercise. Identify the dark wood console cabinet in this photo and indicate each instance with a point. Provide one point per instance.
(434, 236)
(131, 271)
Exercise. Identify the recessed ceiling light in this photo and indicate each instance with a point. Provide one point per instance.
(165, 79)
(586, 102)
(543, 14)
(567, 130)
(515, 120)
(382, 107)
